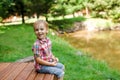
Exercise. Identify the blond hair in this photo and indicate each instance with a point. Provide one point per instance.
(41, 22)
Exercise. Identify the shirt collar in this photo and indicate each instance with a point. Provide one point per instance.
(43, 40)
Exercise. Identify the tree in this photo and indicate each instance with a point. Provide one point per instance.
(41, 7)
(106, 8)
(13, 7)
(5, 8)
(58, 9)
(20, 8)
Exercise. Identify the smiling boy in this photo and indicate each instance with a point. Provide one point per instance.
(45, 61)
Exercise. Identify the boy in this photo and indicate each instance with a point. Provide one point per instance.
(45, 61)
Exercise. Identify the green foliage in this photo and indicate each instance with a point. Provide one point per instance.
(115, 14)
(57, 10)
(25, 8)
(106, 9)
(1, 19)
(41, 7)
(64, 7)
(5, 7)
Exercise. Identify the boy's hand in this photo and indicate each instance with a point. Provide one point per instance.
(53, 63)
(56, 59)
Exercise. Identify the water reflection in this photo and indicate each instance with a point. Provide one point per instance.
(103, 45)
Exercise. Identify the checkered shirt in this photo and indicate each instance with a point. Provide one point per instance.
(42, 48)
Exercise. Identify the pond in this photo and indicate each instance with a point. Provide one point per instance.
(102, 45)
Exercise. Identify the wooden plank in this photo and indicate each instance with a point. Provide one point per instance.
(4, 73)
(25, 72)
(19, 68)
(3, 66)
(32, 75)
(48, 77)
(21, 71)
(55, 78)
(40, 76)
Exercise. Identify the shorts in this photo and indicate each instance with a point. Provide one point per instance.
(57, 70)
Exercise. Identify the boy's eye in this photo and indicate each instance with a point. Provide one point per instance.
(36, 29)
(41, 29)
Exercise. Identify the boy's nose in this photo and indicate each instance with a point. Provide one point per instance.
(39, 31)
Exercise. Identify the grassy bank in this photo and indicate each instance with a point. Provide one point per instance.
(65, 24)
(16, 42)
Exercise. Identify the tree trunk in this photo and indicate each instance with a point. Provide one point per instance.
(46, 18)
(22, 13)
(38, 16)
(23, 20)
(73, 14)
(87, 11)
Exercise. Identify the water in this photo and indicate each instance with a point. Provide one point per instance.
(103, 45)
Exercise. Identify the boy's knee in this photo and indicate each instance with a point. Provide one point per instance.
(61, 66)
(61, 74)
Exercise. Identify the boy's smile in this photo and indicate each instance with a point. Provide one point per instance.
(40, 31)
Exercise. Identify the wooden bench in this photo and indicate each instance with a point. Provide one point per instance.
(22, 71)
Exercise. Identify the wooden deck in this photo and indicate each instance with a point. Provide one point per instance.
(22, 71)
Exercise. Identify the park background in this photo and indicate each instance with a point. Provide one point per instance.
(81, 31)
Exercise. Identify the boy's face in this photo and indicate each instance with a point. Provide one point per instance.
(40, 31)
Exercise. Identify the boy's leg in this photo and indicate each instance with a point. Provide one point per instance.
(52, 70)
(60, 65)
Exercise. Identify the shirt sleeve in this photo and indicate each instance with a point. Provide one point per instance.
(50, 46)
(36, 50)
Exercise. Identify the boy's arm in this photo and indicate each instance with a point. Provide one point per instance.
(43, 62)
(38, 58)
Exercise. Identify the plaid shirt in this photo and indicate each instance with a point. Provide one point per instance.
(42, 48)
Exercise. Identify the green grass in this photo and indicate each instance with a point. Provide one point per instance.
(16, 42)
